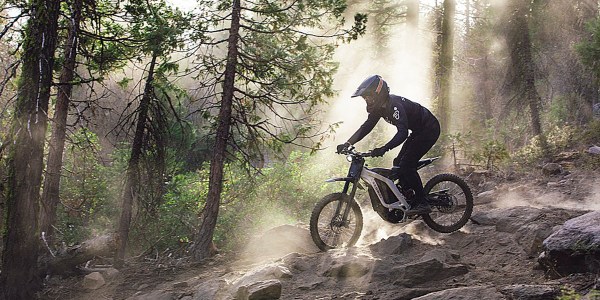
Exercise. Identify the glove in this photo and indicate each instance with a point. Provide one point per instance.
(342, 147)
(378, 151)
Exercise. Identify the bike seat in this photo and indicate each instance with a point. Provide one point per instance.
(383, 171)
(422, 163)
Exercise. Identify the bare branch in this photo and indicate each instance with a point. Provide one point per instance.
(10, 25)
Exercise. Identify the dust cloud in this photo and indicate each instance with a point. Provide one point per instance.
(584, 197)
(592, 202)
(375, 229)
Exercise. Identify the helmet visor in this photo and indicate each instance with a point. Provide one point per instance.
(360, 91)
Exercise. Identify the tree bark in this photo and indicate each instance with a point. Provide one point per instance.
(437, 68)
(523, 66)
(2, 201)
(483, 90)
(412, 13)
(20, 278)
(131, 189)
(583, 81)
(50, 194)
(446, 63)
(203, 240)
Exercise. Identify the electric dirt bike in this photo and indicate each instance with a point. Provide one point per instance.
(337, 220)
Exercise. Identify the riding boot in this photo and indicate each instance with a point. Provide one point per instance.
(418, 204)
(419, 208)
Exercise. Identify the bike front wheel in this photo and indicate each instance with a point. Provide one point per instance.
(451, 202)
(329, 228)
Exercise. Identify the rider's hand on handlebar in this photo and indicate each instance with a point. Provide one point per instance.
(342, 147)
(378, 151)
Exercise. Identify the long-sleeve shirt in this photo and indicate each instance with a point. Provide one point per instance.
(400, 112)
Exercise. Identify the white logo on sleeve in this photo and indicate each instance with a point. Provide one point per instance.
(396, 113)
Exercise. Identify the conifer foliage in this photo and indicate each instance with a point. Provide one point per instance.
(277, 68)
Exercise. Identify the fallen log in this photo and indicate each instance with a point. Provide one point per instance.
(68, 261)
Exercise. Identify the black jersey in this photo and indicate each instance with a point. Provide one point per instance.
(402, 113)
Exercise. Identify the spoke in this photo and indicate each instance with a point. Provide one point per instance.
(458, 204)
(336, 232)
(336, 240)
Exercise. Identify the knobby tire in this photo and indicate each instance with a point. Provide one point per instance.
(317, 232)
(468, 205)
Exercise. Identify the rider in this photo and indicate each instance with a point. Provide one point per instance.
(405, 115)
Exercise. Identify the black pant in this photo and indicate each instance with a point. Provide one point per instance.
(415, 146)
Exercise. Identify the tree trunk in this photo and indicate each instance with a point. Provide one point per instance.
(584, 82)
(446, 64)
(2, 201)
(131, 189)
(50, 195)
(203, 240)
(3, 174)
(412, 13)
(437, 68)
(380, 32)
(20, 278)
(523, 64)
(484, 90)
(483, 76)
(531, 95)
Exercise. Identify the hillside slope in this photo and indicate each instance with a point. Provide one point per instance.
(495, 256)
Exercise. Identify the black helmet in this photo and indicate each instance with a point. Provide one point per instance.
(373, 86)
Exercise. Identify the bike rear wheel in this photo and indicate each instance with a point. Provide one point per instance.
(328, 228)
(451, 202)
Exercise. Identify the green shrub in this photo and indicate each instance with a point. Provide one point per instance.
(177, 218)
(590, 133)
(485, 148)
(283, 193)
(84, 191)
(568, 294)
(571, 294)
(490, 153)
(558, 138)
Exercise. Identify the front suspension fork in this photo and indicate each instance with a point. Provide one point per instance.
(345, 210)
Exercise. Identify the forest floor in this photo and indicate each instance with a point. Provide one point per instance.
(493, 257)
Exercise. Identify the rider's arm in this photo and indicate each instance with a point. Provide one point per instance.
(364, 129)
(402, 134)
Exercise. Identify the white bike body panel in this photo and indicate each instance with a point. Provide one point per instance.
(337, 179)
(370, 177)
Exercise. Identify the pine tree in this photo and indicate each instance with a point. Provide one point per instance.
(520, 82)
(20, 278)
(158, 30)
(267, 86)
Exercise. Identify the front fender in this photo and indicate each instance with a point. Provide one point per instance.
(349, 179)
(338, 179)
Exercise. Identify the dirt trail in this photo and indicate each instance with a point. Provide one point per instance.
(493, 257)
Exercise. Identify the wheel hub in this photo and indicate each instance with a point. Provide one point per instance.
(447, 203)
(336, 224)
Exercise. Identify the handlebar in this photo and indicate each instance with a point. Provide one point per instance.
(351, 151)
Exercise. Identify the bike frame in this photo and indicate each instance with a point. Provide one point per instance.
(358, 170)
(370, 177)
